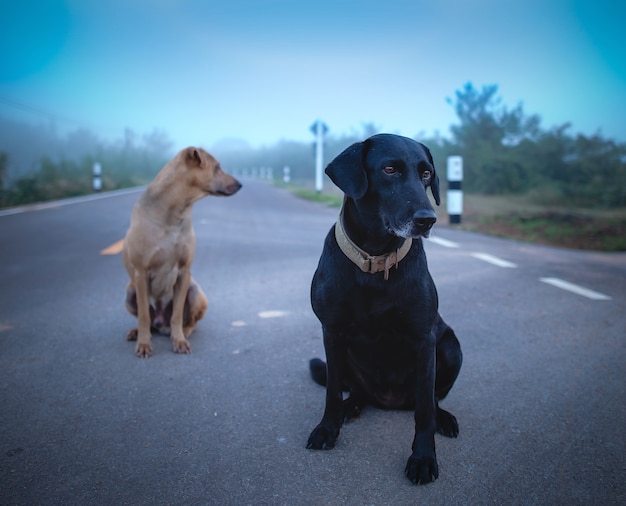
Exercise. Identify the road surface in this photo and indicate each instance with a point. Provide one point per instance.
(540, 399)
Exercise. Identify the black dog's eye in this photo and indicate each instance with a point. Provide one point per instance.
(426, 175)
(389, 170)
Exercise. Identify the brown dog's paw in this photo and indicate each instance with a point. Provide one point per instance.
(181, 346)
(143, 350)
(132, 335)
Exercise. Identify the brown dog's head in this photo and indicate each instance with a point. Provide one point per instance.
(387, 177)
(205, 174)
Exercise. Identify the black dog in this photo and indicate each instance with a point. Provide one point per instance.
(384, 339)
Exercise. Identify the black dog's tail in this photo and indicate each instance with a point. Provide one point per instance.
(318, 371)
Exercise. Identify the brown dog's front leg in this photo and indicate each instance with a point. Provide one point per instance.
(144, 337)
(422, 464)
(179, 342)
(324, 436)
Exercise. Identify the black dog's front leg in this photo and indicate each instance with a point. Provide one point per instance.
(422, 464)
(324, 436)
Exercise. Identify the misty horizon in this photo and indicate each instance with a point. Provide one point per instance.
(263, 71)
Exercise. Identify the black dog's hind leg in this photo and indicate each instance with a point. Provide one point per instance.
(353, 405)
(449, 360)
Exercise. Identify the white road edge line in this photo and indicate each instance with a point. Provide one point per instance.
(571, 287)
(443, 242)
(51, 204)
(485, 257)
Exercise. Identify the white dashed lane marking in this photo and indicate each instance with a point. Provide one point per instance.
(443, 242)
(556, 282)
(486, 257)
(571, 287)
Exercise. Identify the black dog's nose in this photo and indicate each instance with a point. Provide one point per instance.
(424, 219)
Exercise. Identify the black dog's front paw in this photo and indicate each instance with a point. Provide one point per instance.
(323, 437)
(421, 470)
(446, 423)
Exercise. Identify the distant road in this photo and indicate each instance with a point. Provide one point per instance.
(540, 399)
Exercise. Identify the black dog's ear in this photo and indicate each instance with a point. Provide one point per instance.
(434, 181)
(434, 188)
(347, 171)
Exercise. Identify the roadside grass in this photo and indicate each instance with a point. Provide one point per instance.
(519, 217)
(330, 195)
(330, 200)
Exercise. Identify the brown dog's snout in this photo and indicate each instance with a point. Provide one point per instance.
(225, 184)
(231, 188)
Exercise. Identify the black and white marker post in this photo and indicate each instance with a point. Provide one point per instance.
(319, 129)
(97, 177)
(455, 194)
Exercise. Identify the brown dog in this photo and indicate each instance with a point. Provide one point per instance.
(159, 249)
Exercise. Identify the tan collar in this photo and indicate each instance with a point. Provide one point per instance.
(365, 261)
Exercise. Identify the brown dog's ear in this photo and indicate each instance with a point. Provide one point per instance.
(347, 171)
(193, 156)
(434, 180)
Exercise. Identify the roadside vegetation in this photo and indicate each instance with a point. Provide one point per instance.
(521, 180)
(518, 217)
(38, 164)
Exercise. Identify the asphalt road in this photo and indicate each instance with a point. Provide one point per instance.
(540, 400)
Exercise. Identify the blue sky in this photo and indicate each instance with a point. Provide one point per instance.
(265, 70)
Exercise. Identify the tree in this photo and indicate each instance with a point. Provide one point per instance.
(492, 140)
(3, 175)
(4, 159)
(596, 173)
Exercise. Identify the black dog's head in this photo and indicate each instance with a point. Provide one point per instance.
(387, 175)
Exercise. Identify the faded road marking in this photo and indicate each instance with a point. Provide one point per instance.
(275, 313)
(571, 287)
(272, 314)
(114, 249)
(485, 257)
